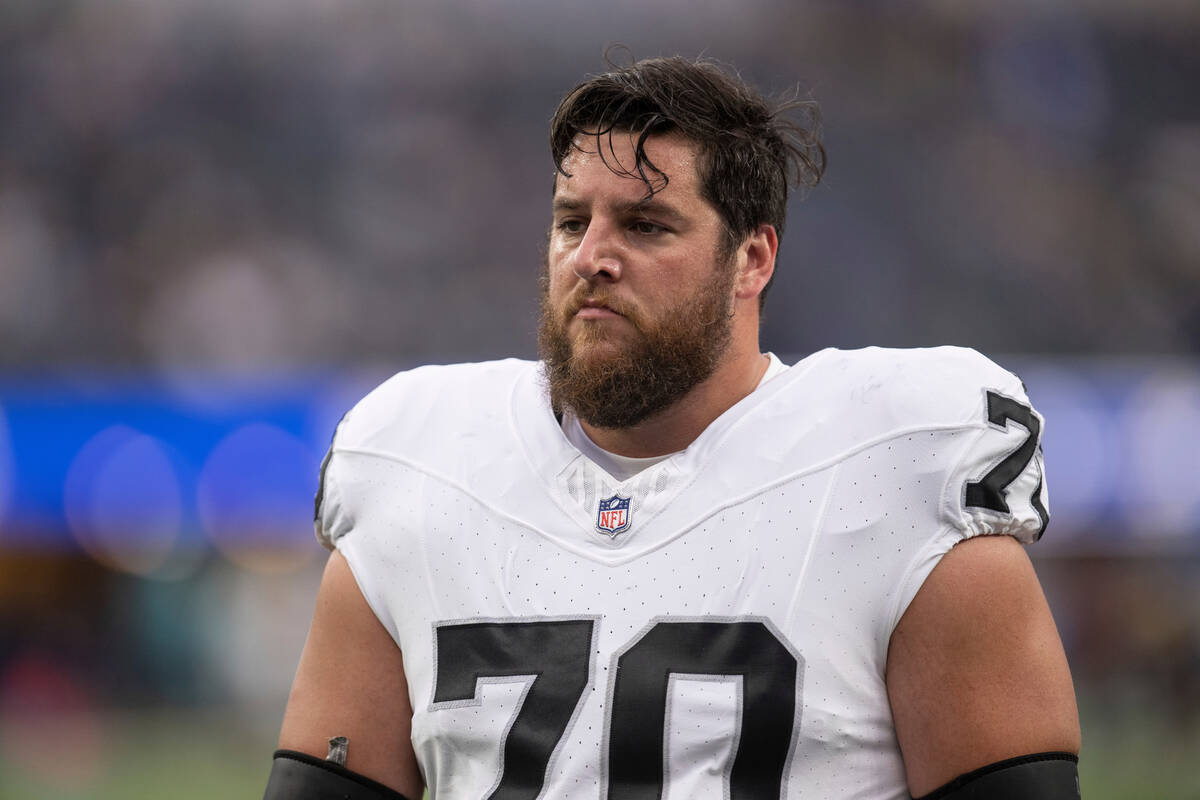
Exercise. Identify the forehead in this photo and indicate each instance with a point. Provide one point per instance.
(610, 161)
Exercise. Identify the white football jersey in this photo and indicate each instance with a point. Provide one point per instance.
(716, 626)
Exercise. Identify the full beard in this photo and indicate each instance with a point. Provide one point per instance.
(625, 386)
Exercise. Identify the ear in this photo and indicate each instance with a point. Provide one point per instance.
(756, 262)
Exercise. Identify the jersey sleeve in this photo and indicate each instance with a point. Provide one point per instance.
(331, 519)
(991, 471)
(982, 433)
(998, 484)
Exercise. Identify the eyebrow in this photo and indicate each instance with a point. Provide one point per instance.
(563, 204)
(648, 205)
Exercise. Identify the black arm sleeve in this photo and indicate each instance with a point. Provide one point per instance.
(1041, 776)
(299, 776)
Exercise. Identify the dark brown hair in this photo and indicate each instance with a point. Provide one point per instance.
(751, 148)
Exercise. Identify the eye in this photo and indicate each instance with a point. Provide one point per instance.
(570, 225)
(648, 228)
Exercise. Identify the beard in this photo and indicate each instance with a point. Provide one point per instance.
(619, 387)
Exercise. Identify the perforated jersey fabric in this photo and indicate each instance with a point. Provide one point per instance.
(731, 639)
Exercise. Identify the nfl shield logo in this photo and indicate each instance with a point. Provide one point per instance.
(613, 516)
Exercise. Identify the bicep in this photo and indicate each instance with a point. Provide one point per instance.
(350, 682)
(976, 671)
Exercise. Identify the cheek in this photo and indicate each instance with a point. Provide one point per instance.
(559, 271)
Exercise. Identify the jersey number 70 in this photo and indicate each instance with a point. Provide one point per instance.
(555, 656)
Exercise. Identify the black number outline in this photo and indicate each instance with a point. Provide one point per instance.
(702, 629)
(991, 491)
(495, 651)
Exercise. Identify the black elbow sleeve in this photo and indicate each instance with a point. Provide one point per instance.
(299, 776)
(1040, 776)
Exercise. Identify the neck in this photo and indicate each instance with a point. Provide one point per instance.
(676, 427)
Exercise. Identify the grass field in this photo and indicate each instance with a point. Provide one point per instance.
(190, 755)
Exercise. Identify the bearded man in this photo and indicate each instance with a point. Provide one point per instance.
(661, 562)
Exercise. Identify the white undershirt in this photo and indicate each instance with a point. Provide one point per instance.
(623, 467)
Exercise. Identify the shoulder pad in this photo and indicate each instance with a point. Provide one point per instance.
(397, 416)
(436, 417)
(887, 388)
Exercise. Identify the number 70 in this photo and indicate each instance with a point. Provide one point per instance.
(557, 655)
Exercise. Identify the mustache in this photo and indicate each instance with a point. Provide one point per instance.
(585, 295)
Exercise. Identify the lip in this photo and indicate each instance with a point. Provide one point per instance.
(596, 312)
(596, 308)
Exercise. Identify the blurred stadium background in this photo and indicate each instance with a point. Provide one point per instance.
(221, 222)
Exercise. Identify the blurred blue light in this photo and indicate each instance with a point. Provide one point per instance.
(122, 499)
(51, 421)
(258, 481)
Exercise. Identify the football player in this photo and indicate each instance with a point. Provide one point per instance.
(661, 562)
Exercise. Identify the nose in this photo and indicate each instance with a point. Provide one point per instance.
(598, 255)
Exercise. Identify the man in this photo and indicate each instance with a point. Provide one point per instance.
(659, 562)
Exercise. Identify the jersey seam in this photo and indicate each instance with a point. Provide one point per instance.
(464, 490)
(950, 495)
(812, 469)
(936, 542)
(679, 530)
(818, 527)
(393, 629)
(820, 466)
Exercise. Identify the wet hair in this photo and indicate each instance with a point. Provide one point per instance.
(751, 148)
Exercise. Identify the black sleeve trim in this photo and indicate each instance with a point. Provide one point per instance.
(320, 496)
(374, 788)
(947, 791)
